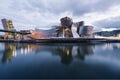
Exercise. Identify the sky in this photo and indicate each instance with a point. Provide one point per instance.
(30, 14)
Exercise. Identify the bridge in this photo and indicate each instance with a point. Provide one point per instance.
(18, 32)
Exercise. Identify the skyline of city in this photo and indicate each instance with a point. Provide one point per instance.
(66, 28)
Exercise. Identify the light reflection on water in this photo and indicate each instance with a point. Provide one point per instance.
(60, 60)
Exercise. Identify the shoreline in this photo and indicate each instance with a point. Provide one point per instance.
(64, 40)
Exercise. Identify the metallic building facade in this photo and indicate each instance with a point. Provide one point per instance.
(8, 25)
(86, 31)
(4, 23)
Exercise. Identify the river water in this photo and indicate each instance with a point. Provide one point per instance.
(60, 61)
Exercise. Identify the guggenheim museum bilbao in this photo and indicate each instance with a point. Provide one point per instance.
(66, 29)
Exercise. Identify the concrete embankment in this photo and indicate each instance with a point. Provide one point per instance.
(64, 40)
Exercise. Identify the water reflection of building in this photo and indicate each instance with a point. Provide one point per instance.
(65, 52)
(68, 53)
(27, 48)
(9, 52)
(84, 50)
(114, 46)
(11, 49)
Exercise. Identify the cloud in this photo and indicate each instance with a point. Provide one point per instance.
(109, 23)
(45, 12)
